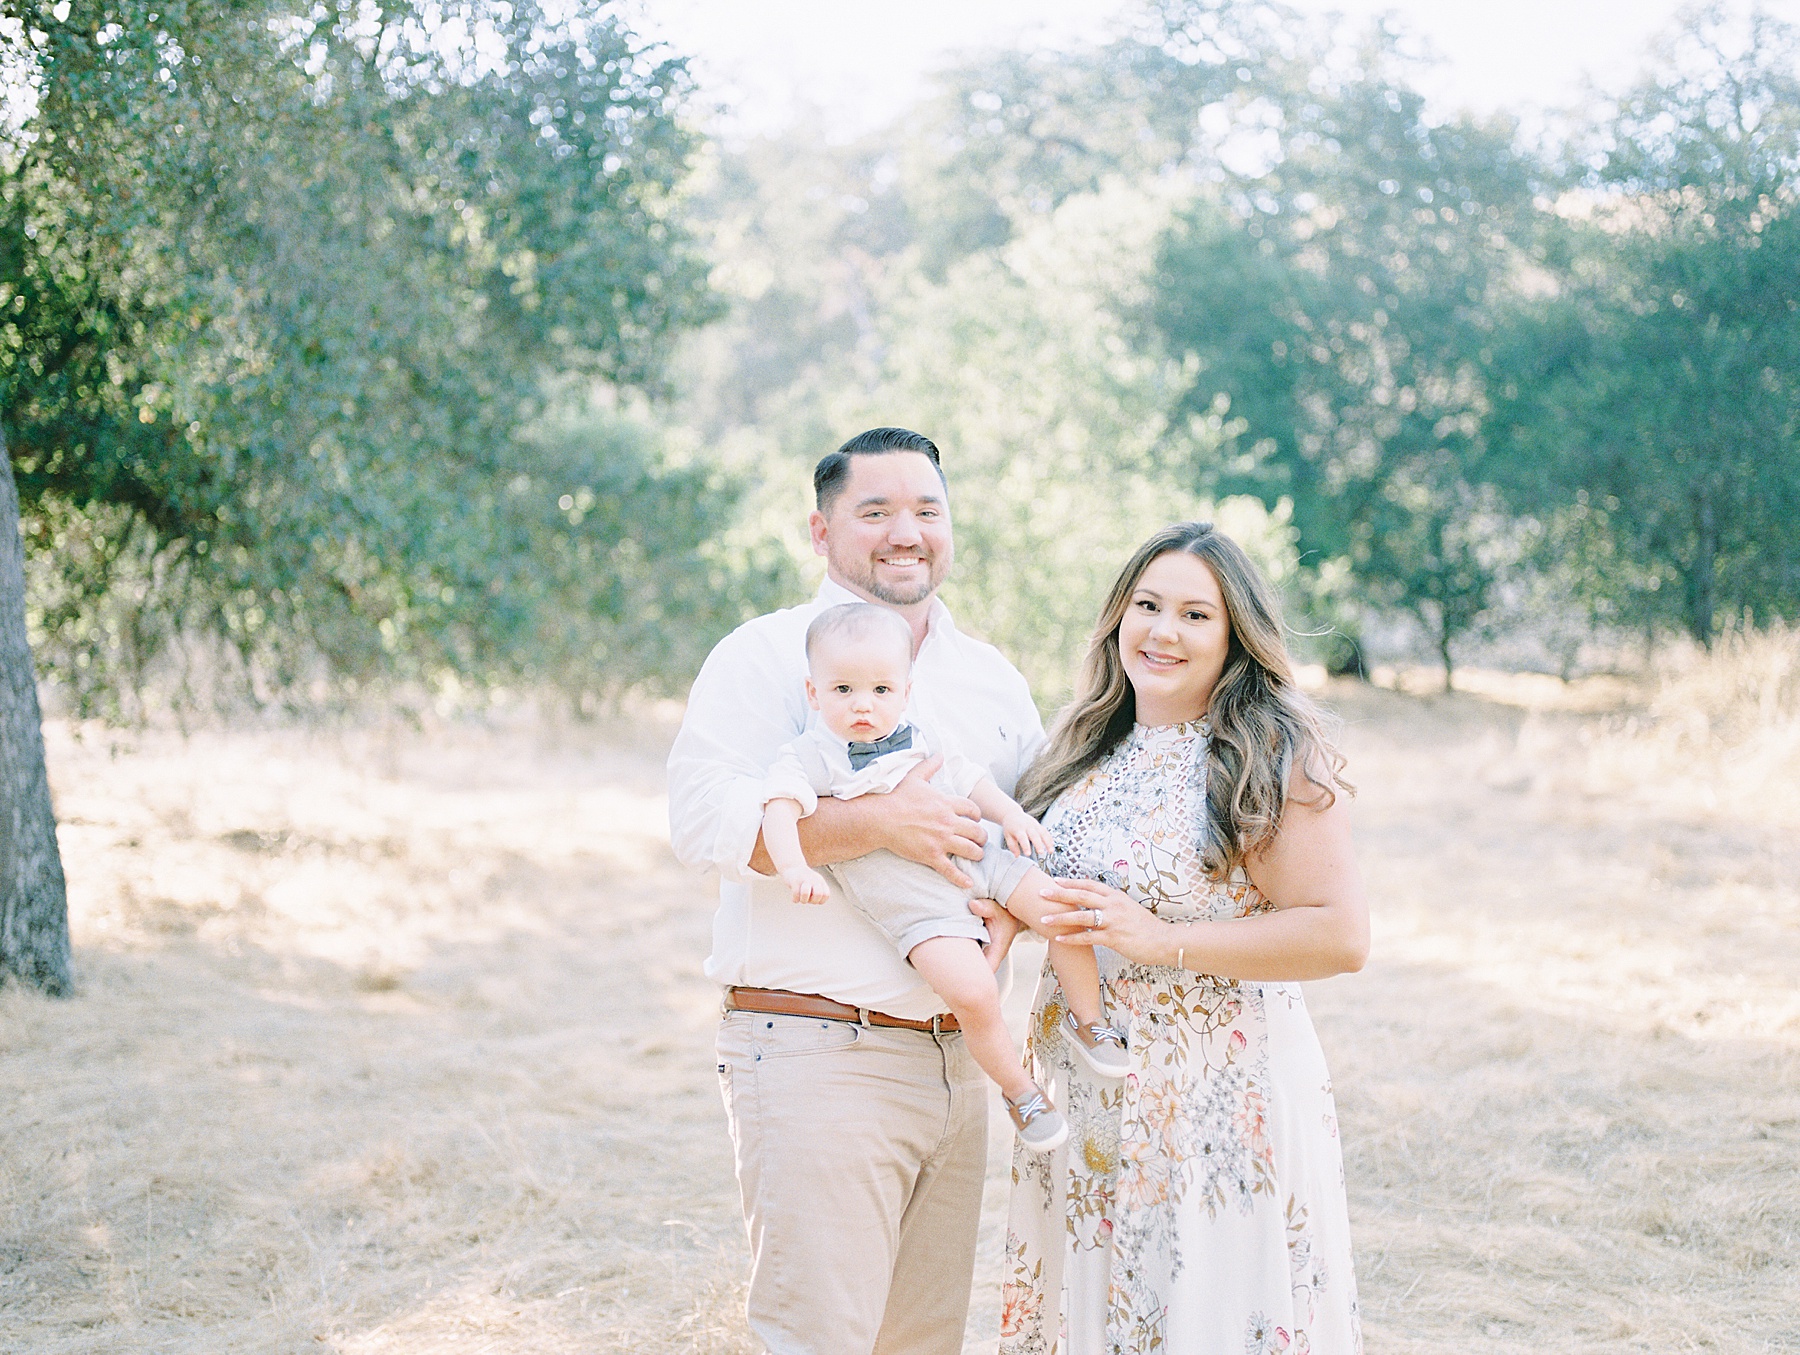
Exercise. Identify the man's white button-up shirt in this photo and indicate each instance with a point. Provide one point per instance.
(749, 700)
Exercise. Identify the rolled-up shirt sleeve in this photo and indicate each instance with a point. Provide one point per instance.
(959, 774)
(787, 780)
(744, 705)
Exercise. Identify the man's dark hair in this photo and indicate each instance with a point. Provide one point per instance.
(833, 470)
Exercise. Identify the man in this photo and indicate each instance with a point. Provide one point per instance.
(858, 1120)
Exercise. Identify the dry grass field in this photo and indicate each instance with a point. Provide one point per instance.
(395, 1040)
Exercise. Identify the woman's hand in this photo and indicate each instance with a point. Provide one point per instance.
(1099, 915)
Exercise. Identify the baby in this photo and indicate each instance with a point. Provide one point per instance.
(860, 661)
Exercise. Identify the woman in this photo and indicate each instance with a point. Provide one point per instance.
(1194, 794)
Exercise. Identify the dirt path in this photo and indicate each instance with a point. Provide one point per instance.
(398, 1042)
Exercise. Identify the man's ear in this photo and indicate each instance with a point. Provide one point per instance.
(812, 694)
(815, 526)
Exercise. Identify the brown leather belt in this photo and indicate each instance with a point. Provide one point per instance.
(780, 1002)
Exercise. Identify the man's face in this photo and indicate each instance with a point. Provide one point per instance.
(859, 687)
(887, 536)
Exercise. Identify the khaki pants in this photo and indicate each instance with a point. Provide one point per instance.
(860, 1156)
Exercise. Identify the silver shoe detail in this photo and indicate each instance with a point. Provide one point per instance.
(1041, 1126)
(1100, 1049)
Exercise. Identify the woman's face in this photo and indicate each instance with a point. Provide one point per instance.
(1174, 637)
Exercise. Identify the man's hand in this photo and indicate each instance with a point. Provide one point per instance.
(914, 820)
(925, 825)
(1002, 928)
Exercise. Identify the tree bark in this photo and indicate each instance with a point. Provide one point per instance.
(34, 910)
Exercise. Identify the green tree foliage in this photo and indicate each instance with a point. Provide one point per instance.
(1654, 397)
(285, 290)
(1338, 299)
(1481, 398)
(972, 273)
(1054, 427)
(1010, 138)
(810, 236)
(1343, 287)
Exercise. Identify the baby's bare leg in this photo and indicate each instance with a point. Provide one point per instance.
(958, 973)
(1075, 967)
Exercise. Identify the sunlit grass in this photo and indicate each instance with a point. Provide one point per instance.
(395, 1040)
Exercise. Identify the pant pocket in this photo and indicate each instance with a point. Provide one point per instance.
(796, 1037)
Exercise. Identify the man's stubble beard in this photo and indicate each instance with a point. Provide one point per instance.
(865, 580)
(895, 598)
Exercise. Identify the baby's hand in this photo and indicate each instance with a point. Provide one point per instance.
(808, 885)
(1025, 836)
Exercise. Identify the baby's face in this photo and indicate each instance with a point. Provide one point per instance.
(860, 687)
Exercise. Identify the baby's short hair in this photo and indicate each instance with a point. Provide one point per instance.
(859, 621)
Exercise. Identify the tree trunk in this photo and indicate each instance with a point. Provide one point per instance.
(1702, 594)
(34, 911)
(1346, 658)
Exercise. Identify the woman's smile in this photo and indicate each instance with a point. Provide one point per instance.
(1161, 660)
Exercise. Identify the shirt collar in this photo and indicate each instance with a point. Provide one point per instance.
(938, 621)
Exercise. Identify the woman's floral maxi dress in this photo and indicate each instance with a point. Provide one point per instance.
(1198, 1207)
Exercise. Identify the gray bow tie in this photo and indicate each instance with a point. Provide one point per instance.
(862, 754)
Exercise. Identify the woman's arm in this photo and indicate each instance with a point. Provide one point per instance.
(1320, 925)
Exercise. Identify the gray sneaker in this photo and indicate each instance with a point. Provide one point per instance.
(1041, 1126)
(1100, 1048)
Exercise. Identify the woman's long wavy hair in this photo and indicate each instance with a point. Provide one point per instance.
(1263, 726)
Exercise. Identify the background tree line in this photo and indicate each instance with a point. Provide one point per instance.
(357, 346)
(1496, 389)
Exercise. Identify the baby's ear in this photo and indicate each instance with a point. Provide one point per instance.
(812, 694)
